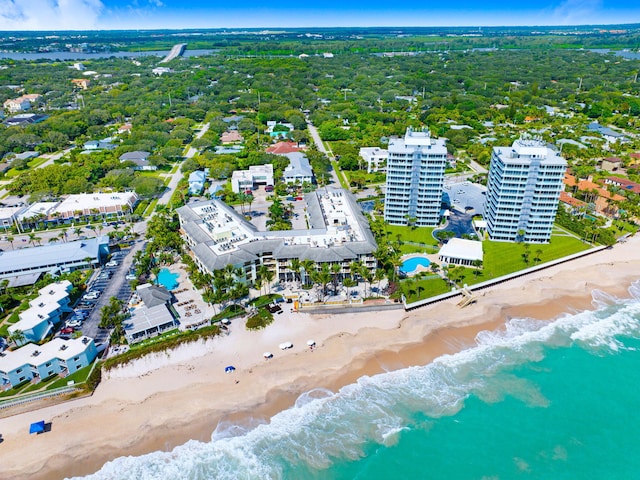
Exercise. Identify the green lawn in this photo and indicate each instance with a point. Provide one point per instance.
(410, 234)
(419, 288)
(501, 258)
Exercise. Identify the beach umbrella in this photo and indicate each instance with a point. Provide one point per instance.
(229, 369)
(311, 343)
(267, 354)
(37, 427)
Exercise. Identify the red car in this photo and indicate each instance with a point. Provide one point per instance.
(67, 330)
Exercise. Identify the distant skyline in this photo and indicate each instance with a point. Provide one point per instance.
(18, 15)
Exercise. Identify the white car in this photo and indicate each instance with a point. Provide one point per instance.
(92, 295)
(74, 323)
(112, 263)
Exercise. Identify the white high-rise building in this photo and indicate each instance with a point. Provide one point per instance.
(415, 175)
(525, 181)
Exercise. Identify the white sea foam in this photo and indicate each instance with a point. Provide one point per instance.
(324, 426)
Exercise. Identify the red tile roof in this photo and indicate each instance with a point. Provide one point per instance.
(625, 184)
(568, 199)
(282, 148)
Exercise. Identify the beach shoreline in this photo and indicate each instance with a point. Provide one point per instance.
(162, 403)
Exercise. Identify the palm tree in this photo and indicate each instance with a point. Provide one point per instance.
(295, 266)
(263, 270)
(323, 277)
(32, 238)
(308, 266)
(378, 276)
(335, 270)
(77, 231)
(17, 337)
(10, 239)
(349, 282)
(155, 271)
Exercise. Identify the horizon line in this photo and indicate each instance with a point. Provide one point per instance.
(282, 28)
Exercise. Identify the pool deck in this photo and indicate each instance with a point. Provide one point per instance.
(432, 257)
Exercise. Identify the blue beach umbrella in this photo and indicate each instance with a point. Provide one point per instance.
(229, 369)
(37, 427)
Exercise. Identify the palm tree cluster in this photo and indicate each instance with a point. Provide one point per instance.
(113, 316)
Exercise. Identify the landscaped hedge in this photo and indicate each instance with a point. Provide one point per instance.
(260, 320)
(172, 342)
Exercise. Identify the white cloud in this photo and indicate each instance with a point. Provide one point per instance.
(576, 12)
(50, 14)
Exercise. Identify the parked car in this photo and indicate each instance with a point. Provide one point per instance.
(67, 330)
(73, 323)
(130, 276)
(111, 263)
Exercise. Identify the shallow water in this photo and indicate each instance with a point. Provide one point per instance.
(537, 400)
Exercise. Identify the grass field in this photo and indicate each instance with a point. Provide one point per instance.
(408, 234)
(425, 287)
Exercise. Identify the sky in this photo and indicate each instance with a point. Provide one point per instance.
(199, 14)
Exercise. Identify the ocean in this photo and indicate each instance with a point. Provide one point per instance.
(539, 400)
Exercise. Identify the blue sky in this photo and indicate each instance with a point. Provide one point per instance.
(145, 14)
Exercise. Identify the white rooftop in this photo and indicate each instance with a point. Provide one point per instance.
(38, 354)
(97, 201)
(462, 248)
(330, 207)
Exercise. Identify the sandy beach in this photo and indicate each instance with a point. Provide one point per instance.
(164, 400)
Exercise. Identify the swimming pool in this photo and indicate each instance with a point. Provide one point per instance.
(167, 279)
(411, 264)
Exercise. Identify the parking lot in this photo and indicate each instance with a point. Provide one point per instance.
(106, 282)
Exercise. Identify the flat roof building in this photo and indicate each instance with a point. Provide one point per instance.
(338, 233)
(53, 258)
(375, 158)
(415, 177)
(242, 180)
(523, 190)
(459, 251)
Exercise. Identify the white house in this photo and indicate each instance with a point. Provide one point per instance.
(299, 170)
(242, 180)
(196, 182)
(375, 158)
(459, 251)
(139, 159)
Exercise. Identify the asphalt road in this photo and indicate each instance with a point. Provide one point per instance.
(116, 286)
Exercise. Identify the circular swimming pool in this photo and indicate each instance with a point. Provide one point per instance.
(410, 265)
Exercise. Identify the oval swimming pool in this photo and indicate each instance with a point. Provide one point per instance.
(411, 264)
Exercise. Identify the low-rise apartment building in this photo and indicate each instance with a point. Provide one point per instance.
(338, 233)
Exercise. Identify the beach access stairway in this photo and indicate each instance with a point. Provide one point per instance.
(496, 281)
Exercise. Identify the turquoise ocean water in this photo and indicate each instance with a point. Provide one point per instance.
(543, 400)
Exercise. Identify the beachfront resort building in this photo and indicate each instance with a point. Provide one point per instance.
(44, 312)
(152, 315)
(338, 233)
(25, 265)
(523, 190)
(33, 363)
(375, 158)
(415, 176)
